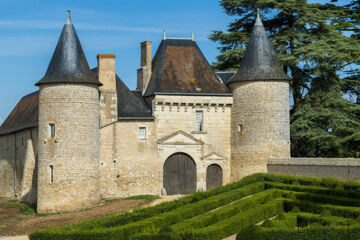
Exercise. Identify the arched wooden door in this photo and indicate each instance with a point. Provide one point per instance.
(179, 174)
(214, 176)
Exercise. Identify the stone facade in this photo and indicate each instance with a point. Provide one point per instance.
(129, 165)
(17, 158)
(133, 166)
(340, 168)
(260, 125)
(68, 167)
(108, 94)
(177, 113)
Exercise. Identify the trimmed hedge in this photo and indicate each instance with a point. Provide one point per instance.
(149, 225)
(310, 233)
(224, 211)
(311, 207)
(228, 211)
(225, 227)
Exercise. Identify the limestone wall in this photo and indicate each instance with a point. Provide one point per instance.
(73, 152)
(129, 165)
(341, 168)
(8, 162)
(261, 110)
(174, 113)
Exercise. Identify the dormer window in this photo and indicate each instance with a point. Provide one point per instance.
(52, 130)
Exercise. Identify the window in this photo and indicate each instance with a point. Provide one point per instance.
(142, 132)
(51, 169)
(240, 128)
(52, 130)
(199, 121)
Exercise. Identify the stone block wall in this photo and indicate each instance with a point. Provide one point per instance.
(15, 145)
(177, 113)
(260, 125)
(340, 168)
(129, 165)
(74, 151)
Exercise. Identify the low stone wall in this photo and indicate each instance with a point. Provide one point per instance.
(340, 168)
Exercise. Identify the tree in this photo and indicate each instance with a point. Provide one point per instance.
(314, 45)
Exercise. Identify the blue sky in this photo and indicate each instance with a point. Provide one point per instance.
(29, 31)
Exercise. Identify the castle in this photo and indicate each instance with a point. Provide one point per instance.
(85, 136)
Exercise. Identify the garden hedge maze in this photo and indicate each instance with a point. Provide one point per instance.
(260, 206)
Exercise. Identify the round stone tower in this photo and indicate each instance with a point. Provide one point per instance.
(68, 147)
(260, 111)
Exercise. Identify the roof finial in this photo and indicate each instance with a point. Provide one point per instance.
(68, 20)
(258, 12)
(192, 36)
(164, 34)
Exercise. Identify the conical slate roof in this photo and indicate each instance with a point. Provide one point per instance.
(68, 63)
(260, 61)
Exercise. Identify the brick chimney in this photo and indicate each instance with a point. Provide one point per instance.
(144, 72)
(108, 94)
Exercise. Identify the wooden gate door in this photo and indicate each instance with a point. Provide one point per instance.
(179, 174)
(214, 176)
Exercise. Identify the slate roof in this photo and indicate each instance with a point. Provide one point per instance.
(68, 63)
(179, 67)
(260, 61)
(225, 76)
(23, 116)
(131, 104)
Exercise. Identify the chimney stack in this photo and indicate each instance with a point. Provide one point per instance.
(144, 72)
(108, 93)
(106, 71)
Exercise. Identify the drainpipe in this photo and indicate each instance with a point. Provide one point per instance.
(15, 164)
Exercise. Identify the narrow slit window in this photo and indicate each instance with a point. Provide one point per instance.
(199, 121)
(240, 128)
(52, 130)
(51, 169)
(142, 132)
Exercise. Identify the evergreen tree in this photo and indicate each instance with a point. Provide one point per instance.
(314, 45)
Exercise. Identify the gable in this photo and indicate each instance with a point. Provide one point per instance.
(179, 138)
(214, 156)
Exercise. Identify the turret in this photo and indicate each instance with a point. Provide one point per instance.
(68, 141)
(260, 111)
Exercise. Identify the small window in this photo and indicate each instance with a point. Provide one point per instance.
(240, 128)
(142, 132)
(52, 130)
(199, 121)
(51, 169)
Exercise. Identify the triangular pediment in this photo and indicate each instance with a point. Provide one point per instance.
(179, 138)
(214, 156)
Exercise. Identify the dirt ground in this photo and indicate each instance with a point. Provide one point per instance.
(14, 223)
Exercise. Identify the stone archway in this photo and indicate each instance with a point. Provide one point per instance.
(179, 174)
(214, 176)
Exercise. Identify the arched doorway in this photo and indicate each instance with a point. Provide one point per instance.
(179, 174)
(214, 176)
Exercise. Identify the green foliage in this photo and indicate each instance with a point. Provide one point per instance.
(325, 213)
(295, 209)
(235, 208)
(323, 62)
(148, 198)
(27, 210)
